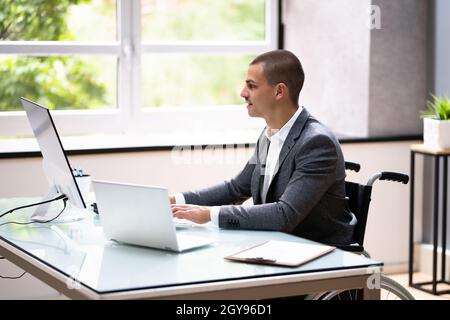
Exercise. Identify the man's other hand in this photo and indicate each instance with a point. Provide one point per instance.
(192, 213)
(172, 199)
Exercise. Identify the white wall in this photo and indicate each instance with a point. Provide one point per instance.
(332, 41)
(362, 80)
(387, 231)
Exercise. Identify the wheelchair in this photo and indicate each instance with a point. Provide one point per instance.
(359, 197)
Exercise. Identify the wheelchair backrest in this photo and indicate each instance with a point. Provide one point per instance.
(359, 200)
(359, 197)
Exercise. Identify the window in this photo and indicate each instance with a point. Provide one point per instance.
(123, 66)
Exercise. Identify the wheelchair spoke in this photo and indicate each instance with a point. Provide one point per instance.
(390, 290)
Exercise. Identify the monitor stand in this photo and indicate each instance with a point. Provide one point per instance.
(48, 211)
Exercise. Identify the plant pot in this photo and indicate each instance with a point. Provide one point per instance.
(436, 133)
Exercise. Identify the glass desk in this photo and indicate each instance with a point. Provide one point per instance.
(77, 260)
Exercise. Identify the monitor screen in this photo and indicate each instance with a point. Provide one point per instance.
(55, 163)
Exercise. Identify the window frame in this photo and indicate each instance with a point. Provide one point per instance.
(130, 117)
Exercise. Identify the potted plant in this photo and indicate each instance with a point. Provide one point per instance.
(436, 123)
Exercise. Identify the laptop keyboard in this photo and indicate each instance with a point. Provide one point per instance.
(182, 223)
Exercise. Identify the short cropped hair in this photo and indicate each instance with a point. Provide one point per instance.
(282, 66)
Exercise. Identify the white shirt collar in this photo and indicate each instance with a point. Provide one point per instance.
(284, 131)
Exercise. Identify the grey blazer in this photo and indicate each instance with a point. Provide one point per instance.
(306, 196)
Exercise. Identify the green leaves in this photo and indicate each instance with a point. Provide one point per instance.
(438, 108)
(57, 82)
(204, 20)
(35, 20)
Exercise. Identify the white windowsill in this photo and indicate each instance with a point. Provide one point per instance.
(99, 142)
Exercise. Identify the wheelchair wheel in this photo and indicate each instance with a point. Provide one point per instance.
(390, 290)
(394, 290)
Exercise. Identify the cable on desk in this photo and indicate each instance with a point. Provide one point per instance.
(63, 197)
(33, 204)
(47, 221)
(13, 278)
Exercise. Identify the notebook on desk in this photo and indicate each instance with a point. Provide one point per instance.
(282, 253)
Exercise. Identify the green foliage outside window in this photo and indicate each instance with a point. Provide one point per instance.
(58, 82)
(35, 20)
(203, 20)
(78, 82)
(198, 79)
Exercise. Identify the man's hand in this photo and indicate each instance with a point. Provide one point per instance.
(191, 212)
(172, 199)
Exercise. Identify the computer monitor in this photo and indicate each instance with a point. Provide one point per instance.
(56, 166)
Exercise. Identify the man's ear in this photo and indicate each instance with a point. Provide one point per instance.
(280, 90)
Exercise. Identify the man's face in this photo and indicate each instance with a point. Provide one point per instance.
(258, 93)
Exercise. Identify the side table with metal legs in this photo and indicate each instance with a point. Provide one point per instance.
(437, 155)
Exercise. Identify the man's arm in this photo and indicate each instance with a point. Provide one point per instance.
(235, 191)
(315, 172)
(204, 204)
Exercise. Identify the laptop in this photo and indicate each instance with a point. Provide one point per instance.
(141, 215)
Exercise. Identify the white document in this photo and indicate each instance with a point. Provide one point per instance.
(284, 253)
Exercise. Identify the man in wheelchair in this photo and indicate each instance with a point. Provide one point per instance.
(296, 175)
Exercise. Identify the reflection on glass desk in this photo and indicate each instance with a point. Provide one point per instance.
(50, 244)
(77, 260)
